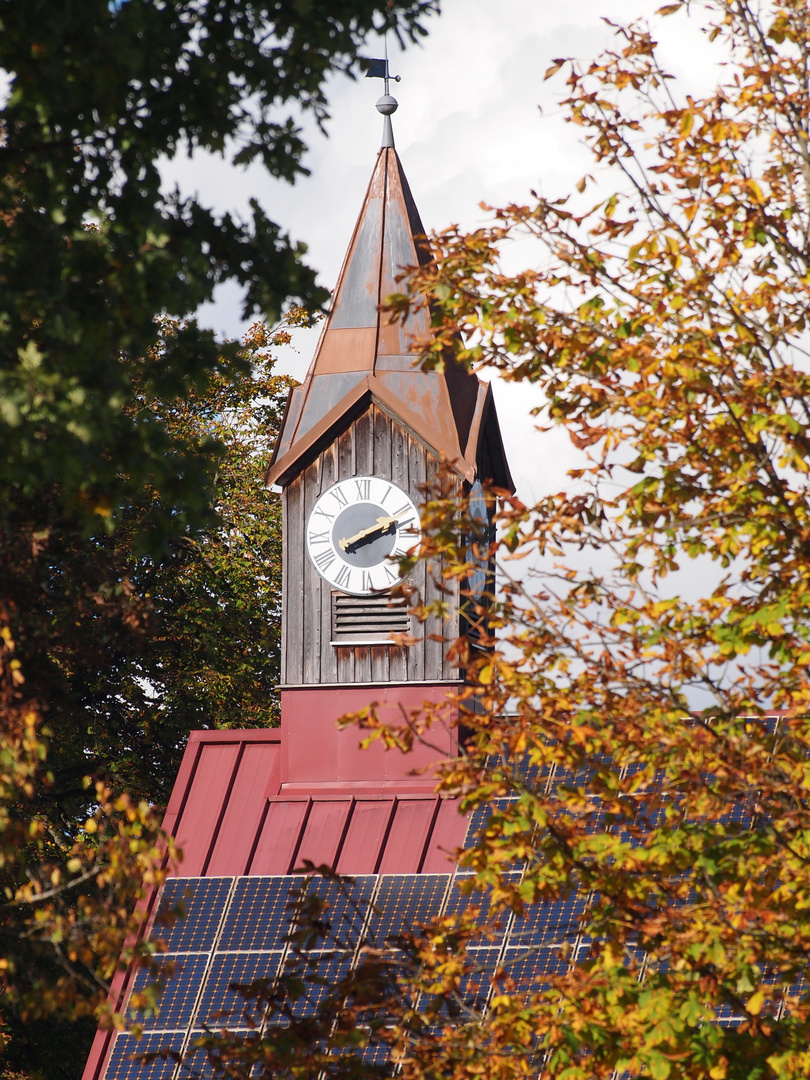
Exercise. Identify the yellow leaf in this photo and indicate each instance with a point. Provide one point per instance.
(755, 1003)
(756, 191)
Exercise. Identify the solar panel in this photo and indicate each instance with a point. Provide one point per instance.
(404, 903)
(179, 995)
(260, 914)
(345, 906)
(527, 970)
(203, 901)
(479, 818)
(548, 922)
(219, 1004)
(474, 987)
(318, 977)
(196, 1065)
(123, 1065)
(459, 900)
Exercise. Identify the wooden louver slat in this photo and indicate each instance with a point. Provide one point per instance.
(368, 620)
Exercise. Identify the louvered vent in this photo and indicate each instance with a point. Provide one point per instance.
(368, 620)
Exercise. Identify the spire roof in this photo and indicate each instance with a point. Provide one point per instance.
(362, 353)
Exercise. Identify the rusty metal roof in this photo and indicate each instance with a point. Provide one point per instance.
(362, 353)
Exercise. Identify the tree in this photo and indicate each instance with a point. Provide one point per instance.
(651, 780)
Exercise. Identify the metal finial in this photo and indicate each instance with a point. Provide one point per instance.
(378, 69)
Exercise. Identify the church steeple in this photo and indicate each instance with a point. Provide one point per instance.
(364, 436)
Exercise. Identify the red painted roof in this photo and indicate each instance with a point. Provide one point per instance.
(230, 816)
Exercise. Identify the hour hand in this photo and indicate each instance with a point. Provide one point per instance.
(382, 525)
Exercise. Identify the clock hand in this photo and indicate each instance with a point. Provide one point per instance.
(381, 526)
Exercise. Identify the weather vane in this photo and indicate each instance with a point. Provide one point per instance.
(387, 104)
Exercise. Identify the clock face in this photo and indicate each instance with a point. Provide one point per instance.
(356, 532)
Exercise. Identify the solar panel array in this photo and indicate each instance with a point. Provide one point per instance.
(236, 931)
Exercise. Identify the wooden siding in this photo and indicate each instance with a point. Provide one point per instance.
(372, 444)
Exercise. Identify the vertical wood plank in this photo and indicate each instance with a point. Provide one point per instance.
(344, 663)
(330, 474)
(416, 457)
(310, 643)
(434, 644)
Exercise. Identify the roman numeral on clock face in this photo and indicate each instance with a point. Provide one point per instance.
(324, 559)
(363, 488)
(343, 577)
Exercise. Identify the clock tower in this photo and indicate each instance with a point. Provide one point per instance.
(363, 437)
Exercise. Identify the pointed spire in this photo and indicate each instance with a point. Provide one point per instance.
(363, 355)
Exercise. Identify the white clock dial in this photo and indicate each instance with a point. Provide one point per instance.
(357, 531)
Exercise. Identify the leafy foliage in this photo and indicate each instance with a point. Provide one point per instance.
(92, 247)
(666, 329)
(69, 914)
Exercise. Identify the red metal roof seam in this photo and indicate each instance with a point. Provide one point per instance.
(429, 835)
(259, 831)
(224, 807)
(343, 834)
(391, 812)
(301, 833)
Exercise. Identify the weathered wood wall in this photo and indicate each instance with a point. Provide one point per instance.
(372, 445)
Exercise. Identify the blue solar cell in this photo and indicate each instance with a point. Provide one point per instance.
(526, 971)
(480, 817)
(260, 914)
(459, 899)
(123, 1064)
(179, 995)
(534, 775)
(345, 906)
(219, 1004)
(549, 922)
(196, 1065)
(404, 903)
(473, 991)
(374, 1055)
(318, 978)
(203, 902)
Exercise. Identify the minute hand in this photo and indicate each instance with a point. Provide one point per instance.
(381, 526)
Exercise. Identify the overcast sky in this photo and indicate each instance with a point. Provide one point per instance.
(476, 122)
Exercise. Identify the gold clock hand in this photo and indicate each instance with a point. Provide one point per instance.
(382, 524)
